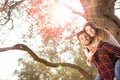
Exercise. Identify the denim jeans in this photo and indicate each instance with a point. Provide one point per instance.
(98, 77)
(117, 71)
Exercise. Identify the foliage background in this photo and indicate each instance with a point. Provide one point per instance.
(33, 22)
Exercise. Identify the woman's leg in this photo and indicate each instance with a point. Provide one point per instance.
(117, 70)
(98, 77)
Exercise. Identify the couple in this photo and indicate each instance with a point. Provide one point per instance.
(102, 49)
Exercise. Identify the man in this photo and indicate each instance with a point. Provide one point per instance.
(105, 56)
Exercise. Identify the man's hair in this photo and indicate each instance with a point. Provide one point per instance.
(79, 33)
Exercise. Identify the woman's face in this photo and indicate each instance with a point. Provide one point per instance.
(90, 31)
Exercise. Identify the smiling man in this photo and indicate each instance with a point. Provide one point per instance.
(84, 38)
(105, 57)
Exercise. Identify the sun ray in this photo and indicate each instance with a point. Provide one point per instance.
(60, 13)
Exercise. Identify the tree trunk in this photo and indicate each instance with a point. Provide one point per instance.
(102, 13)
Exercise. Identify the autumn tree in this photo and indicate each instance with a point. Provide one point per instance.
(99, 11)
(102, 12)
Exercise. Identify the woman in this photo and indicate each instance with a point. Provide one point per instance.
(100, 34)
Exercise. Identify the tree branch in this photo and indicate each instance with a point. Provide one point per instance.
(4, 6)
(36, 58)
(10, 9)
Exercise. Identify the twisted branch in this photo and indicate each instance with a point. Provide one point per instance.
(36, 58)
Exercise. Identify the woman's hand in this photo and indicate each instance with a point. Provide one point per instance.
(89, 61)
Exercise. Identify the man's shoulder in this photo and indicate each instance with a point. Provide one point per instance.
(103, 43)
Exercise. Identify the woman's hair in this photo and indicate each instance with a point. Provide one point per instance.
(100, 33)
(91, 24)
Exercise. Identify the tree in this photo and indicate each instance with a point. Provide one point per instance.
(99, 11)
(102, 13)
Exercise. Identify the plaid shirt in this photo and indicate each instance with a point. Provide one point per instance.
(105, 58)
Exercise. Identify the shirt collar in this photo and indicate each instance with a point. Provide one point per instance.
(100, 44)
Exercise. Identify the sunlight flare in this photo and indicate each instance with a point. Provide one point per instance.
(60, 13)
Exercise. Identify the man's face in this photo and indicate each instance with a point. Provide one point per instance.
(84, 38)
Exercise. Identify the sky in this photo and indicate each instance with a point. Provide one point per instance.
(8, 59)
(117, 11)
